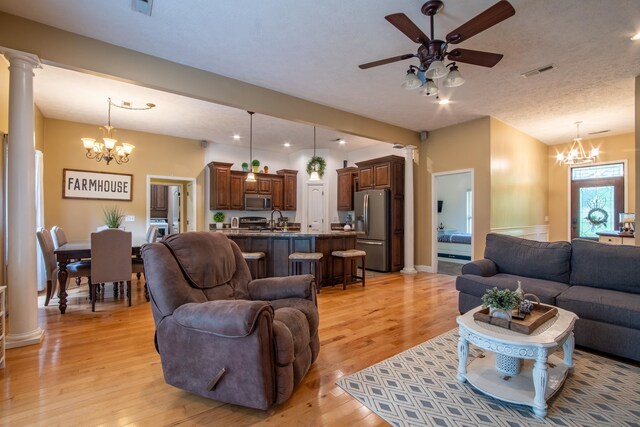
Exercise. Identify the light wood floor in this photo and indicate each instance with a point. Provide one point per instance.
(102, 369)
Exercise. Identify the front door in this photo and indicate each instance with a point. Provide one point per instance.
(597, 198)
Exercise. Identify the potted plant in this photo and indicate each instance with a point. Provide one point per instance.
(245, 166)
(318, 164)
(501, 302)
(266, 169)
(218, 218)
(256, 165)
(113, 216)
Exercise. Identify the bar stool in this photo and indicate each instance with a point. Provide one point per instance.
(352, 256)
(254, 261)
(297, 259)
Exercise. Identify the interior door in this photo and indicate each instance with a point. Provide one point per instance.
(191, 221)
(595, 205)
(315, 207)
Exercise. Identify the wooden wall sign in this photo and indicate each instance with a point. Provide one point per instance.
(79, 184)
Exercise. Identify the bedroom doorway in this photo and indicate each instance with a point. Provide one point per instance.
(452, 221)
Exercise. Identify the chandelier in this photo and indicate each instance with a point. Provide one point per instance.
(108, 149)
(577, 154)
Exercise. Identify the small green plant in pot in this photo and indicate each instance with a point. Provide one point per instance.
(245, 167)
(218, 218)
(501, 302)
(256, 165)
(113, 216)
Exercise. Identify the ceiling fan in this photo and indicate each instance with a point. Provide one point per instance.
(432, 52)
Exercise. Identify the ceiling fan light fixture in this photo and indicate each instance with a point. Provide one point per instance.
(411, 81)
(437, 70)
(454, 78)
(430, 88)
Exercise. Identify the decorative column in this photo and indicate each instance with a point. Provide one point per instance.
(409, 235)
(21, 203)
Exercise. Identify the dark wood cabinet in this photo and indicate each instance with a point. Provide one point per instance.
(277, 193)
(227, 188)
(347, 183)
(290, 191)
(220, 185)
(236, 189)
(388, 172)
(158, 201)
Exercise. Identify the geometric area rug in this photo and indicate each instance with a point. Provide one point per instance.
(418, 387)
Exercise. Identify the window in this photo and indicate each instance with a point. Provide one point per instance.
(469, 212)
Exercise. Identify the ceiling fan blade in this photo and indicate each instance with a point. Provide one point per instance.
(487, 19)
(406, 25)
(386, 61)
(475, 57)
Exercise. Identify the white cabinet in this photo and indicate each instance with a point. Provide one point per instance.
(617, 240)
(3, 328)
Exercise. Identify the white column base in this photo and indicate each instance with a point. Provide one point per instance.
(409, 271)
(22, 340)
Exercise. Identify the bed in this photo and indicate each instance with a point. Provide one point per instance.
(454, 247)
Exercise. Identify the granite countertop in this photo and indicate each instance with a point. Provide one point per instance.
(615, 233)
(268, 233)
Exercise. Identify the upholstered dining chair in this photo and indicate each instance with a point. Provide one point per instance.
(137, 264)
(222, 335)
(74, 269)
(110, 261)
(59, 239)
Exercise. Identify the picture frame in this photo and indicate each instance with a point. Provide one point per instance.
(95, 185)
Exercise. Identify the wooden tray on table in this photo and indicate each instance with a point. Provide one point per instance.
(540, 314)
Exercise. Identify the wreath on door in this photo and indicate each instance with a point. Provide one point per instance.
(597, 217)
(318, 164)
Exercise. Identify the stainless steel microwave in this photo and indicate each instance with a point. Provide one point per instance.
(257, 202)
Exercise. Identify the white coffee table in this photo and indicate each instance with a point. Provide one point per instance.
(518, 368)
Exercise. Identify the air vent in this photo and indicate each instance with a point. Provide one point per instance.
(539, 70)
(142, 6)
(599, 132)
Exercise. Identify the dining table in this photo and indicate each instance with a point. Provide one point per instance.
(71, 251)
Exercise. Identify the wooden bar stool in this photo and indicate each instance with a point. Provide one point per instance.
(254, 261)
(314, 259)
(350, 257)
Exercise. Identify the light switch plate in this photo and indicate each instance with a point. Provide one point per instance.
(129, 218)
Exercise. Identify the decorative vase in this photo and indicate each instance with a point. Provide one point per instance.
(219, 225)
(500, 313)
(245, 168)
(347, 227)
(255, 169)
(266, 169)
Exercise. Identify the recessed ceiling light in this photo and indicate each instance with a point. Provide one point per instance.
(444, 102)
(287, 144)
(636, 37)
(236, 136)
(341, 141)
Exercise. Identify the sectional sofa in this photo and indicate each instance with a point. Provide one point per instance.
(598, 282)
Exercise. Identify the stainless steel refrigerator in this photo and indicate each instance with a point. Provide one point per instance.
(373, 227)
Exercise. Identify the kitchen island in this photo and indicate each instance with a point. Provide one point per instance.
(278, 245)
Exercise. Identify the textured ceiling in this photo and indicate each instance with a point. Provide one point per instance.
(311, 49)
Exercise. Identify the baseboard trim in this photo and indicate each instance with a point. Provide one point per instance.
(424, 268)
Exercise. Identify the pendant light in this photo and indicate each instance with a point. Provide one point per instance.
(250, 176)
(314, 174)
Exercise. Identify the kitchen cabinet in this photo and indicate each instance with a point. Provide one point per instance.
(347, 185)
(158, 200)
(264, 185)
(290, 191)
(236, 190)
(381, 173)
(220, 185)
(277, 193)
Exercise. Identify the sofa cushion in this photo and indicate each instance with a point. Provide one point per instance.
(529, 258)
(297, 324)
(598, 265)
(476, 286)
(602, 305)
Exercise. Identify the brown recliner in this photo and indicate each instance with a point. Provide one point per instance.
(222, 335)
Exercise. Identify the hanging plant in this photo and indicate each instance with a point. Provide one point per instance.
(318, 164)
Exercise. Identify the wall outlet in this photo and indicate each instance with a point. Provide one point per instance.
(129, 218)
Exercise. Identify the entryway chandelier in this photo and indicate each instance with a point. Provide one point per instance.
(577, 154)
(108, 150)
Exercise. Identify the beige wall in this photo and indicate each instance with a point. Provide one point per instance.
(153, 155)
(464, 146)
(519, 178)
(38, 129)
(613, 148)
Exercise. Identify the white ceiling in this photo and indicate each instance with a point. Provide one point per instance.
(311, 49)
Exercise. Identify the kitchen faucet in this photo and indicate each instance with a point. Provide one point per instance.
(272, 212)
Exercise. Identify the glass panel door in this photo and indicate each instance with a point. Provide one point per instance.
(595, 205)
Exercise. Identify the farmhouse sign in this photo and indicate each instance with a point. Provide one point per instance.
(78, 184)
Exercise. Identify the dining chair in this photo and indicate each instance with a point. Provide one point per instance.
(110, 261)
(59, 239)
(74, 269)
